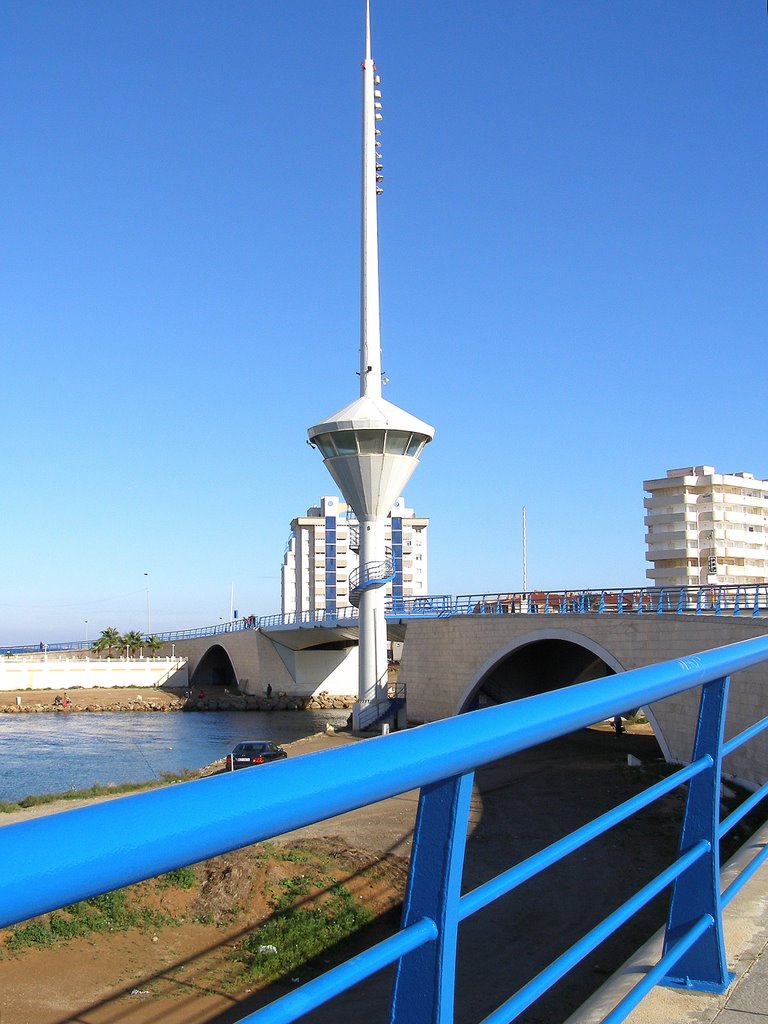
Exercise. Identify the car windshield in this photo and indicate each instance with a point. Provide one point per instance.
(251, 748)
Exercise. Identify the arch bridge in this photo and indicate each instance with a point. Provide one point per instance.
(471, 651)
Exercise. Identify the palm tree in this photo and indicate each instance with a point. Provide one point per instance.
(109, 639)
(153, 644)
(132, 641)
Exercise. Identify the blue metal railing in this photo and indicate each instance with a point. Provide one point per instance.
(372, 574)
(745, 600)
(56, 860)
(367, 576)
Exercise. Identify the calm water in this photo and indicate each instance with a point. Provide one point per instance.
(52, 753)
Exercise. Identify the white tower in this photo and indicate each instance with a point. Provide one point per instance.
(371, 447)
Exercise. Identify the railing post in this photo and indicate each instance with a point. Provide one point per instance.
(425, 981)
(696, 893)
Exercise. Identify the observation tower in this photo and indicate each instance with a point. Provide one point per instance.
(371, 447)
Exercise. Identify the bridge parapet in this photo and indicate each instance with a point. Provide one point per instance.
(709, 600)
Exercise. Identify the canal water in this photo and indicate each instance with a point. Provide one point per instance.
(52, 753)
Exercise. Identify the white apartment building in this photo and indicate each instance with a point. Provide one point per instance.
(322, 551)
(703, 527)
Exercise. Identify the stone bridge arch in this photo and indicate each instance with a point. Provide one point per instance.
(542, 660)
(215, 668)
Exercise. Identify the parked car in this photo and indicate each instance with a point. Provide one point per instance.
(254, 752)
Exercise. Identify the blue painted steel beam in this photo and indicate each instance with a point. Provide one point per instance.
(515, 876)
(544, 980)
(697, 892)
(425, 982)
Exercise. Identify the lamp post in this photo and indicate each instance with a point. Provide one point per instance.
(149, 614)
(86, 632)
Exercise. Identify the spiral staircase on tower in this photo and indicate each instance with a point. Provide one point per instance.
(374, 574)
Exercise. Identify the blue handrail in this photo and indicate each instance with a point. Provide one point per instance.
(56, 860)
(711, 599)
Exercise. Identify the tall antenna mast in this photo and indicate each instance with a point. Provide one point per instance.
(370, 317)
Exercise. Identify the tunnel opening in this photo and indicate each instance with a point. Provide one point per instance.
(214, 669)
(537, 667)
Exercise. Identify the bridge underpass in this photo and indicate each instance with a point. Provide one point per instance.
(214, 669)
(534, 668)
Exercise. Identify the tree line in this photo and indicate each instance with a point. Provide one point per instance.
(129, 643)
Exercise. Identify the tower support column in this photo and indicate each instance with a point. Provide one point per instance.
(373, 626)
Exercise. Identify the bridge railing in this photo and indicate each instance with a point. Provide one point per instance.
(56, 860)
(747, 599)
(751, 599)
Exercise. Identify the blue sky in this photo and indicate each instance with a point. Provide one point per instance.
(573, 258)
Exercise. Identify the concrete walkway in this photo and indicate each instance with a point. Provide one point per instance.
(745, 927)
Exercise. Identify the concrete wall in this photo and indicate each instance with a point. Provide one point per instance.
(61, 674)
(445, 660)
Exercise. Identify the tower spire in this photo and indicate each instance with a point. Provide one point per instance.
(370, 316)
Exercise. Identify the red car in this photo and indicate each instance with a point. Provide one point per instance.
(254, 752)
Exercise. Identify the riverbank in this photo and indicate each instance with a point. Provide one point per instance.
(143, 699)
(309, 744)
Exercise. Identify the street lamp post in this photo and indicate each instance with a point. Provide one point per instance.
(149, 614)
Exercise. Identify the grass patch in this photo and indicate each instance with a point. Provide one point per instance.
(297, 934)
(95, 792)
(180, 878)
(111, 912)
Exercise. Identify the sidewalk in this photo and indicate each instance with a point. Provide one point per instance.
(745, 927)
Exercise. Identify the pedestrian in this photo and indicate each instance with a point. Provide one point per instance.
(269, 690)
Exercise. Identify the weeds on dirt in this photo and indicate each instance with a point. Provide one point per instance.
(179, 878)
(111, 912)
(296, 934)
